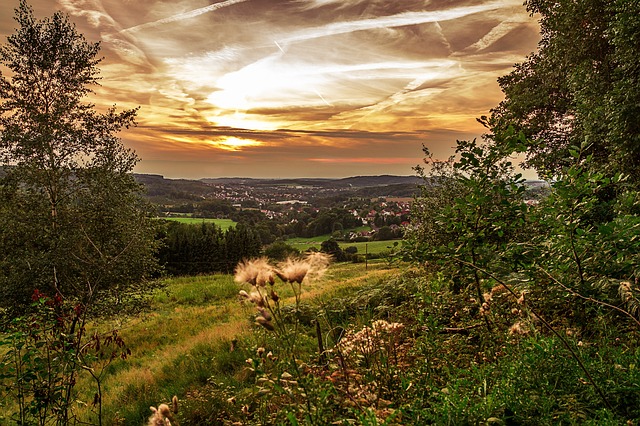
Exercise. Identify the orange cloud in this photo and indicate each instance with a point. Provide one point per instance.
(301, 87)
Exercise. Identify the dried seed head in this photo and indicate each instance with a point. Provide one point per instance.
(517, 329)
(319, 263)
(297, 270)
(260, 320)
(256, 272)
(624, 290)
(256, 298)
(293, 270)
(266, 314)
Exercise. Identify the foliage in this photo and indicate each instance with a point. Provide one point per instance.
(45, 354)
(568, 266)
(593, 250)
(469, 209)
(280, 250)
(205, 248)
(580, 86)
(72, 221)
(332, 248)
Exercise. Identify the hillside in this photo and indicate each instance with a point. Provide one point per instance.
(161, 190)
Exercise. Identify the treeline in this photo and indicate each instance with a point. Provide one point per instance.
(205, 248)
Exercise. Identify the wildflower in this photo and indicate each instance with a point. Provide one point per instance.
(264, 313)
(256, 272)
(260, 351)
(517, 328)
(293, 270)
(260, 320)
(296, 270)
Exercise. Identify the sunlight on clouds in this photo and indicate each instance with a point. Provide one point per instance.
(304, 76)
(240, 120)
(234, 144)
(269, 83)
(225, 143)
(368, 160)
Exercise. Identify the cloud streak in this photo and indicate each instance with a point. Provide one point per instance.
(398, 20)
(298, 87)
(182, 16)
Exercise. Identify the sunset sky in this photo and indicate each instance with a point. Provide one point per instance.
(297, 88)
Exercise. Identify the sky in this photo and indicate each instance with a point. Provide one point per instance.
(297, 88)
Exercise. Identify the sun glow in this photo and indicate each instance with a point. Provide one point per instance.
(234, 144)
(240, 120)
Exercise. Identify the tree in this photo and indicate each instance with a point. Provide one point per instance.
(72, 222)
(332, 248)
(582, 85)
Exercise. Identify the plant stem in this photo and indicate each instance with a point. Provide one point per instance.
(550, 328)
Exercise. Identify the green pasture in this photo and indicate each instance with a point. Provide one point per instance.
(371, 247)
(223, 224)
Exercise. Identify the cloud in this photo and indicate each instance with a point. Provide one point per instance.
(398, 20)
(183, 16)
(333, 87)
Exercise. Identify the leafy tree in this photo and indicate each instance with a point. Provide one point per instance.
(582, 85)
(279, 250)
(385, 233)
(470, 208)
(72, 222)
(332, 248)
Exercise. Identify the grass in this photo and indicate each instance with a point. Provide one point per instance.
(185, 338)
(224, 224)
(371, 247)
(197, 341)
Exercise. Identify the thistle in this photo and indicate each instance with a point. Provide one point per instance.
(163, 414)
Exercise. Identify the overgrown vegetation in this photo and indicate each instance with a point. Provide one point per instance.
(507, 310)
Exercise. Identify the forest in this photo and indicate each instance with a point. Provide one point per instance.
(493, 310)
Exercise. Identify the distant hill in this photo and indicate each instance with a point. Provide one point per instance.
(382, 180)
(355, 181)
(169, 191)
(161, 190)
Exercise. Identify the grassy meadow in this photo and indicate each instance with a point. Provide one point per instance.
(184, 341)
(383, 344)
(371, 247)
(223, 224)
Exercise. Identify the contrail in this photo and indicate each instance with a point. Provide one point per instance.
(399, 20)
(182, 16)
(279, 47)
(322, 97)
(494, 35)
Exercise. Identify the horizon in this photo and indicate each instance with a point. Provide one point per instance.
(320, 88)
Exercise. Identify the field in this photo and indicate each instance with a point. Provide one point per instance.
(400, 349)
(185, 338)
(223, 224)
(371, 247)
